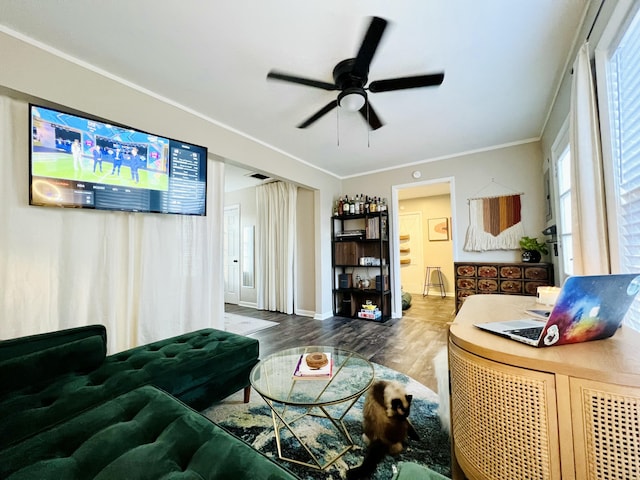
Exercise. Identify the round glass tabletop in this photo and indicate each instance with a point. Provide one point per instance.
(273, 377)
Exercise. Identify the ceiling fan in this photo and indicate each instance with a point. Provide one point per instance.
(351, 75)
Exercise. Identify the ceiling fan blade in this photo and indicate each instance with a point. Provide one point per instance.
(300, 80)
(372, 117)
(368, 48)
(406, 82)
(323, 111)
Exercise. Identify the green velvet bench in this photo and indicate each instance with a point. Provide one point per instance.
(143, 434)
(48, 379)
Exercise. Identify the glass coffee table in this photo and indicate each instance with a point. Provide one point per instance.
(326, 400)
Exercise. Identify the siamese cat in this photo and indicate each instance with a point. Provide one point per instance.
(386, 425)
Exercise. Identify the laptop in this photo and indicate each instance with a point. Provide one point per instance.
(589, 307)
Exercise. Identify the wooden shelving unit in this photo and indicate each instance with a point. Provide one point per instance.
(360, 251)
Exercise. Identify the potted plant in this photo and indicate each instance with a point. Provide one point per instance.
(532, 249)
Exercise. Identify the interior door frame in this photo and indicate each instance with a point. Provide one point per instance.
(396, 310)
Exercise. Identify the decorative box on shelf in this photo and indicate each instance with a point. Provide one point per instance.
(370, 312)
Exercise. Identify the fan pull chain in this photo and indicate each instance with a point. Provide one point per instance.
(338, 125)
(368, 129)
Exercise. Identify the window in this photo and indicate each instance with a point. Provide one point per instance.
(561, 155)
(563, 166)
(619, 64)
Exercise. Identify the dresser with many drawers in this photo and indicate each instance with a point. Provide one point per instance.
(472, 278)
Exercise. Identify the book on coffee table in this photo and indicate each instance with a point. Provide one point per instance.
(304, 372)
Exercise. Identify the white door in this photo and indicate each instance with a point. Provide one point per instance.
(232, 254)
(411, 250)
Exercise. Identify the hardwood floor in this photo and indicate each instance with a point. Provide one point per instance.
(406, 344)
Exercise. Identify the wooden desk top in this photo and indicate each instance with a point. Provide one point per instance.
(612, 360)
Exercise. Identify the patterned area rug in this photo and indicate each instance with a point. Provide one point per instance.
(252, 422)
(245, 325)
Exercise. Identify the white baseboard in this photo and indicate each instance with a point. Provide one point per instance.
(302, 313)
(248, 304)
(305, 313)
(322, 316)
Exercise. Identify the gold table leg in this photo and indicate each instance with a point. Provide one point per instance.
(278, 418)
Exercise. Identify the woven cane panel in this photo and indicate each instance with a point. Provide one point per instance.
(612, 435)
(500, 419)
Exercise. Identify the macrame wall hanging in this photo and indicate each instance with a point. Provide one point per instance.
(495, 223)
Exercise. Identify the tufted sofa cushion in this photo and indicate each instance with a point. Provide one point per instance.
(198, 368)
(40, 358)
(143, 434)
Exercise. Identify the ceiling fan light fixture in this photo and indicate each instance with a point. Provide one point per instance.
(352, 99)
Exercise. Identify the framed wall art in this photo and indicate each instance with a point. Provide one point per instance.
(438, 229)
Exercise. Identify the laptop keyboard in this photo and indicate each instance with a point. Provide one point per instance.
(532, 333)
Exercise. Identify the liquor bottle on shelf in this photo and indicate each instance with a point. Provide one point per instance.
(352, 206)
(366, 205)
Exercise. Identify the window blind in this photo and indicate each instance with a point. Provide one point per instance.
(624, 100)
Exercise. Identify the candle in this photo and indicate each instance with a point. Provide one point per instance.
(548, 295)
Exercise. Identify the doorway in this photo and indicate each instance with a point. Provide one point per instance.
(411, 252)
(422, 207)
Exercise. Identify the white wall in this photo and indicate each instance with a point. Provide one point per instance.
(24, 75)
(502, 171)
(305, 247)
(514, 169)
(305, 301)
(518, 167)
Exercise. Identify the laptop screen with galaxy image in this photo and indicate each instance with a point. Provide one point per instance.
(589, 307)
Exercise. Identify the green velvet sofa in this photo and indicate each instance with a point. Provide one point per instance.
(69, 411)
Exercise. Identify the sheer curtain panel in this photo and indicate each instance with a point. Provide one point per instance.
(143, 276)
(618, 69)
(590, 245)
(275, 246)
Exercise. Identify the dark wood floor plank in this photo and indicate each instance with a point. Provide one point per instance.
(407, 344)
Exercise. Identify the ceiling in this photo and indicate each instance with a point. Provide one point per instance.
(503, 61)
(238, 178)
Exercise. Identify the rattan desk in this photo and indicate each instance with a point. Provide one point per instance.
(518, 412)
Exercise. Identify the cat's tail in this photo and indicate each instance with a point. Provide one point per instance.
(376, 452)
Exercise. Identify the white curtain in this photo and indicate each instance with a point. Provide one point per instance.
(275, 246)
(144, 276)
(589, 225)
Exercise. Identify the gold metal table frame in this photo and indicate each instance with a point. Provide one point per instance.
(330, 399)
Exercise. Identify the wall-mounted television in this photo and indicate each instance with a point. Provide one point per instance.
(81, 162)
